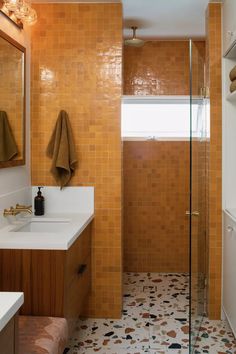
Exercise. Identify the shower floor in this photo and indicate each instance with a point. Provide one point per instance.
(154, 321)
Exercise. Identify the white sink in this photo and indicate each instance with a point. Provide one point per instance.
(43, 226)
(56, 231)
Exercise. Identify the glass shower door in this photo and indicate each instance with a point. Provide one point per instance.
(198, 191)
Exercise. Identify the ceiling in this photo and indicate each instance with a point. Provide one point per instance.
(157, 19)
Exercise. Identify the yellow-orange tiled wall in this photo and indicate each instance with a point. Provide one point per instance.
(12, 90)
(213, 50)
(77, 66)
(156, 197)
(198, 60)
(161, 68)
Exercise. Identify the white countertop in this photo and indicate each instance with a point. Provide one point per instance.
(60, 240)
(9, 305)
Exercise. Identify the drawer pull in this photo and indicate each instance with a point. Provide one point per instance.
(82, 269)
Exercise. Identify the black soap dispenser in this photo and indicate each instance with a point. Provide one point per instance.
(39, 203)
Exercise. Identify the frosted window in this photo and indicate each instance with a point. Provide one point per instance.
(161, 119)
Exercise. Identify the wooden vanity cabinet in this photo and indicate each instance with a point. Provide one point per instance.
(9, 337)
(54, 282)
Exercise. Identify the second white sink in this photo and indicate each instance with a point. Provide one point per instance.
(43, 226)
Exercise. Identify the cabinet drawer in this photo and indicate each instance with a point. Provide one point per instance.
(76, 256)
(229, 266)
(77, 292)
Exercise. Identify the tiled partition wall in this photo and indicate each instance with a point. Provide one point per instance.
(156, 196)
(214, 53)
(76, 66)
(162, 68)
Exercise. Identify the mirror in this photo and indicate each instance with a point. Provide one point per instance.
(12, 102)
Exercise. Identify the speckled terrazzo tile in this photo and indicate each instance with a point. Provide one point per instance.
(178, 305)
(174, 334)
(168, 351)
(164, 281)
(172, 289)
(128, 332)
(135, 306)
(155, 312)
(170, 306)
(136, 315)
(215, 337)
(174, 351)
(172, 296)
(179, 278)
(108, 351)
(168, 287)
(137, 295)
(173, 293)
(176, 314)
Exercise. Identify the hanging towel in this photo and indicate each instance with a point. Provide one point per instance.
(61, 149)
(233, 86)
(8, 147)
(232, 74)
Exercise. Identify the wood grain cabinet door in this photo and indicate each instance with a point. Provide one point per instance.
(77, 292)
(9, 337)
(47, 283)
(76, 256)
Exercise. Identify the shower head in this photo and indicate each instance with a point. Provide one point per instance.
(134, 41)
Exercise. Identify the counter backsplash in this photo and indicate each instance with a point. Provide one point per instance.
(67, 200)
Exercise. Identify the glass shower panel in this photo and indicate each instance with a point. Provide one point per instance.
(198, 186)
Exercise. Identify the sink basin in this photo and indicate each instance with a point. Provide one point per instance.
(43, 226)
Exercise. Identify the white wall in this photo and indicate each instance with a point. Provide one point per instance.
(229, 165)
(229, 23)
(15, 181)
(229, 108)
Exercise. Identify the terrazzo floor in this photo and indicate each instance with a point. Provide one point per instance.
(154, 321)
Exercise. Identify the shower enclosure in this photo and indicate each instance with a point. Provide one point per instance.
(166, 144)
(198, 213)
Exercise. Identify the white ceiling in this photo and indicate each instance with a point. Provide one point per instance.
(159, 19)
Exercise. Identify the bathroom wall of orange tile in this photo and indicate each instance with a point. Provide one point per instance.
(77, 66)
(156, 180)
(162, 68)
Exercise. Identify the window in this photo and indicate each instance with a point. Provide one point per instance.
(161, 117)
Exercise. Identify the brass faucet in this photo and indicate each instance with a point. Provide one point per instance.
(18, 209)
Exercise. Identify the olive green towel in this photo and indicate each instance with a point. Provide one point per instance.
(61, 149)
(233, 86)
(8, 147)
(232, 74)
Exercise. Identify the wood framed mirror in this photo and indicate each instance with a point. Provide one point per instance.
(12, 102)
